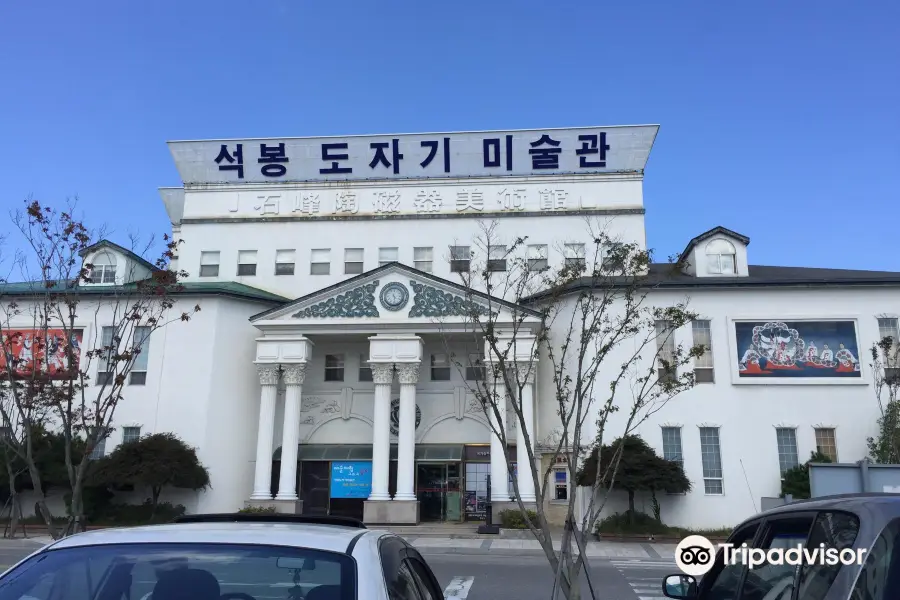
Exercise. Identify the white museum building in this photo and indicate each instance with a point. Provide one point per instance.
(317, 377)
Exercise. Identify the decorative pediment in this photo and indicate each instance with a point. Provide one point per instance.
(356, 302)
(432, 302)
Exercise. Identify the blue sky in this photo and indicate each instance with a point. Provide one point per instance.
(778, 119)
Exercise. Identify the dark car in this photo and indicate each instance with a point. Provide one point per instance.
(867, 522)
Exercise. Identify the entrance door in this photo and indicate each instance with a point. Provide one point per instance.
(437, 489)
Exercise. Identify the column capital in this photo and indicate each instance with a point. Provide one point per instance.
(294, 374)
(382, 373)
(268, 373)
(408, 373)
(525, 372)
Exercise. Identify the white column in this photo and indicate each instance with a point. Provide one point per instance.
(383, 376)
(524, 479)
(408, 373)
(499, 468)
(290, 438)
(262, 481)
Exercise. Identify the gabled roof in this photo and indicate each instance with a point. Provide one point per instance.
(112, 246)
(666, 276)
(187, 288)
(393, 267)
(708, 234)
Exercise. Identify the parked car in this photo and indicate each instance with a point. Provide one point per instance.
(870, 522)
(226, 557)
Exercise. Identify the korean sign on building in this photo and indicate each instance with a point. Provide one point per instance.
(417, 156)
(351, 479)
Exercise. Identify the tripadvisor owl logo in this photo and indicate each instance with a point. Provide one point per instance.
(694, 555)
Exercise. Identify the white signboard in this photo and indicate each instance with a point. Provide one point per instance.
(383, 200)
(416, 156)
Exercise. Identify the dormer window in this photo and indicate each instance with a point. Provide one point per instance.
(720, 257)
(103, 268)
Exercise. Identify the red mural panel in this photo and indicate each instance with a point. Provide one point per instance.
(42, 350)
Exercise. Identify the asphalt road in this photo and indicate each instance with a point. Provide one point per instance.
(473, 575)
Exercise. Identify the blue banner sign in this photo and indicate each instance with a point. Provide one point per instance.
(351, 479)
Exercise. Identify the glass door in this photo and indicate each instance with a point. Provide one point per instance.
(431, 483)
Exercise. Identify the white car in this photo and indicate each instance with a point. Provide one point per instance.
(226, 557)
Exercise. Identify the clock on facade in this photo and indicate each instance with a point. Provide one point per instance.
(394, 296)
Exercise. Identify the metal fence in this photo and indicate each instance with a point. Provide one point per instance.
(827, 479)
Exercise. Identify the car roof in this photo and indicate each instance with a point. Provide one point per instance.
(334, 538)
(885, 503)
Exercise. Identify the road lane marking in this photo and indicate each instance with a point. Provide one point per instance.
(458, 588)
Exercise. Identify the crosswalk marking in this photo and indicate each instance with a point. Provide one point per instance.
(639, 573)
(459, 587)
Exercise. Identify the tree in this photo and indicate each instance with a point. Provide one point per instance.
(795, 481)
(154, 461)
(47, 356)
(885, 447)
(640, 470)
(608, 352)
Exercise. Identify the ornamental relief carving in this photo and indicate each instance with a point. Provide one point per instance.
(294, 374)
(395, 416)
(432, 302)
(268, 374)
(355, 303)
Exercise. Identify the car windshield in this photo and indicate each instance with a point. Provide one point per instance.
(182, 571)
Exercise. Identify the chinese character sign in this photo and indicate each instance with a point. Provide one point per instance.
(351, 479)
(584, 150)
(30, 351)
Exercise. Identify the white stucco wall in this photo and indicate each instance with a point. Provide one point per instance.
(748, 413)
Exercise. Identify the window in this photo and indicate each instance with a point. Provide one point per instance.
(665, 344)
(209, 264)
(285, 261)
(334, 367)
(440, 367)
(423, 259)
(787, 448)
(103, 268)
(889, 328)
(672, 444)
(353, 261)
(711, 457)
(99, 450)
(826, 442)
(496, 258)
(724, 579)
(560, 483)
(720, 257)
(246, 263)
(460, 256)
(475, 368)
(320, 261)
(703, 366)
(141, 344)
(878, 578)
(835, 530)
(430, 589)
(388, 255)
(537, 257)
(130, 434)
(106, 362)
(365, 370)
(773, 580)
(152, 570)
(403, 587)
(574, 255)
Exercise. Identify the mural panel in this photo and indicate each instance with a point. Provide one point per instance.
(780, 349)
(30, 349)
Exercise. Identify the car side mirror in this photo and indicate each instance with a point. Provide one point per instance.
(680, 587)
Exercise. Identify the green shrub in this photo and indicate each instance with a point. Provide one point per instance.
(639, 523)
(258, 509)
(138, 514)
(512, 519)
